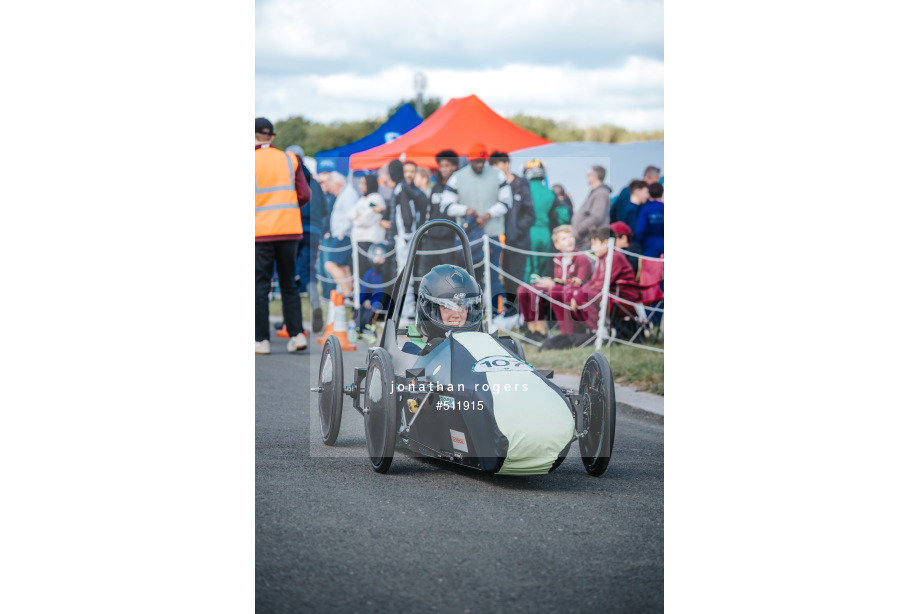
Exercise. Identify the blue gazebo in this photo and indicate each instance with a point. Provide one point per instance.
(404, 120)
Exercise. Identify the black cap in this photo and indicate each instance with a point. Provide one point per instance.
(264, 126)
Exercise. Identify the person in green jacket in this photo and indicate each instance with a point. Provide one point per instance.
(541, 232)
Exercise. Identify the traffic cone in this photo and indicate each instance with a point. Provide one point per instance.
(335, 322)
(283, 334)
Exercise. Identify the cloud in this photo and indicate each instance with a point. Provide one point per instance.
(630, 95)
(324, 37)
(579, 60)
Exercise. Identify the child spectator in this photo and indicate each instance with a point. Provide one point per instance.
(570, 270)
(622, 239)
(373, 298)
(579, 297)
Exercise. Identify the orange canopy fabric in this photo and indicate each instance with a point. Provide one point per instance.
(458, 125)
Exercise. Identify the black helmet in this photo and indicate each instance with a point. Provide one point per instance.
(534, 169)
(452, 287)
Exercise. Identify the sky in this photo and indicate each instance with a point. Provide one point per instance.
(584, 61)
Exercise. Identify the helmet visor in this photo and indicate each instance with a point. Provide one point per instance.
(438, 309)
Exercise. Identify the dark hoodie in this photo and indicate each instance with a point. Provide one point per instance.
(407, 202)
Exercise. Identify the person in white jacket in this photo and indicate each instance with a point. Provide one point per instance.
(365, 216)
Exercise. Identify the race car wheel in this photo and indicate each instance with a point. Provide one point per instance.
(330, 380)
(381, 419)
(597, 414)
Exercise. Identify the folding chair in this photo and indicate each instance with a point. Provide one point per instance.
(632, 319)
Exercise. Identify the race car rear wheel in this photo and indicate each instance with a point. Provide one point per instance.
(330, 380)
(597, 414)
(381, 419)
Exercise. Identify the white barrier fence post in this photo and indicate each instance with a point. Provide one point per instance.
(487, 281)
(602, 317)
(356, 277)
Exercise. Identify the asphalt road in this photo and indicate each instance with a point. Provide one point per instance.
(334, 536)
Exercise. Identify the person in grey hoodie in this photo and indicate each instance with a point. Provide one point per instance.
(595, 212)
(481, 195)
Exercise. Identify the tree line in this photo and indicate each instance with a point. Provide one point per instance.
(316, 136)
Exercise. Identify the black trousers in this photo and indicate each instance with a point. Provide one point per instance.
(283, 255)
(514, 263)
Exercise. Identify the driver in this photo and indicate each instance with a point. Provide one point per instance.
(449, 300)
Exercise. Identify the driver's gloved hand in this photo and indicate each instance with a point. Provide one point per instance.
(433, 343)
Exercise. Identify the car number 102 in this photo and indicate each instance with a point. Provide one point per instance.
(500, 363)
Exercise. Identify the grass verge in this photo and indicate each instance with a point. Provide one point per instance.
(641, 369)
(636, 367)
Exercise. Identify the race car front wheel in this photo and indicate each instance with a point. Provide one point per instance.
(380, 415)
(331, 382)
(597, 415)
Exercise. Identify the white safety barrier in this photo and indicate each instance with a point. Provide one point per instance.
(604, 296)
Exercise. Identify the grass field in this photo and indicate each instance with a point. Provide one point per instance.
(636, 367)
(274, 308)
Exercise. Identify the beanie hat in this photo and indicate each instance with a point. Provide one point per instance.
(396, 171)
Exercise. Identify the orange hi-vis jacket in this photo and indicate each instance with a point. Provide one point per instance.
(277, 209)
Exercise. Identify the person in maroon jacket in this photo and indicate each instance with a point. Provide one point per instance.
(580, 297)
(570, 270)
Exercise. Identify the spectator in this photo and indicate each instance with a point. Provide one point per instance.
(562, 209)
(650, 224)
(637, 195)
(385, 183)
(373, 299)
(338, 260)
(518, 222)
(480, 194)
(423, 181)
(570, 269)
(622, 239)
(279, 192)
(619, 206)
(594, 212)
(365, 217)
(327, 204)
(582, 299)
(541, 234)
(404, 209)
(439, 238)
(405, 214)
(311, 219)
(409, 169)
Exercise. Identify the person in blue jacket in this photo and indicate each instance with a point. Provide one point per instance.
(620, 204)
(650, 223)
